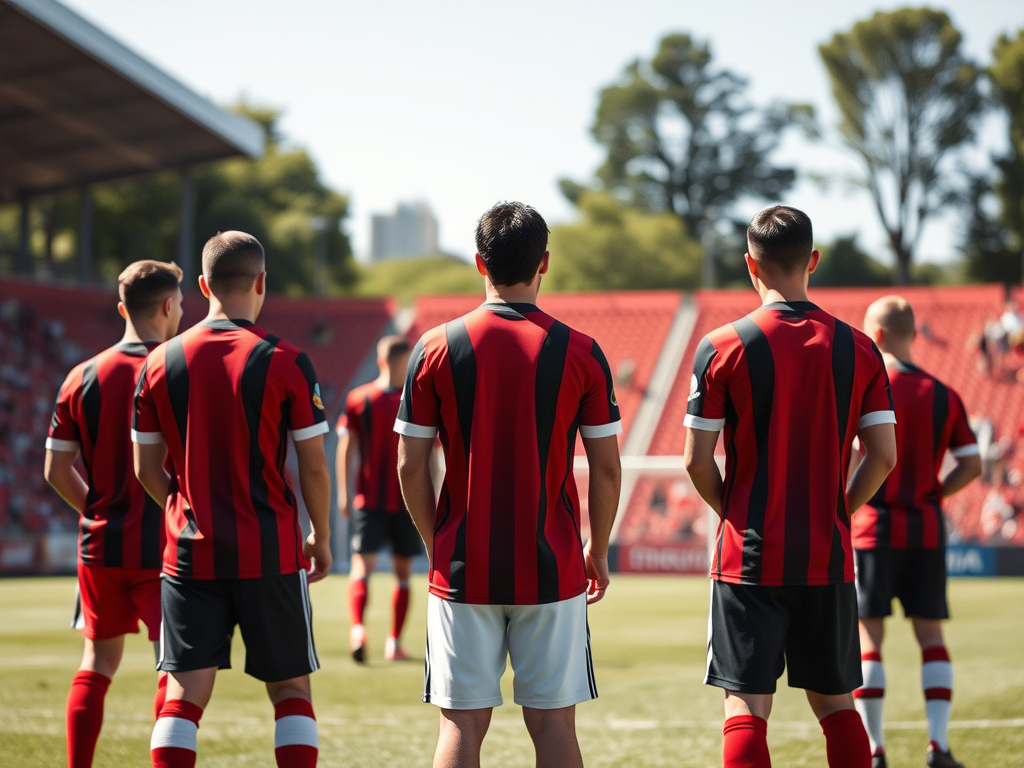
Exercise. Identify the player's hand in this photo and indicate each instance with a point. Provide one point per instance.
(597, 575)
(345, 509)
(318, 551)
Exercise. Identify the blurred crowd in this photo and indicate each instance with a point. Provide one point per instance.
(1001, 345)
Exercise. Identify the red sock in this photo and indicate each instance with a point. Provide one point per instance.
(745, 743)
(85, 716)
(174, 736)
(161, 695)
(357, 596)
(399, 607)
(846, 741)
(296, 744)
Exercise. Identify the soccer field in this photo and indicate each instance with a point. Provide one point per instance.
(649, 649)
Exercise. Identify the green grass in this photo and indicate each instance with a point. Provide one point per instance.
(649, 641)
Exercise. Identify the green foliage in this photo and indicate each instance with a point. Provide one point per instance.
(844, 264)
(405, 279)
(1007, 77)
(681, 136)
(613, 247)
(908, 96)
(990, 256)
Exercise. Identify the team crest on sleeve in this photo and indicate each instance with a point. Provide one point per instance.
(316, 397)
(694, 388)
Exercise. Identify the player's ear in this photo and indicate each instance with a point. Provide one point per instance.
(751, 265)
(480, 266)
(813, 263)
(544, 263)
(204, 287)
(122, 310)
(261, 283)
(166, 307)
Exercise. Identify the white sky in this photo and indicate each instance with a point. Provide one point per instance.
(462, 103)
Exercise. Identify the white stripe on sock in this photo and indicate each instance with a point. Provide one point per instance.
(174, 732)
(874, 674)
(296, 729)
(937, 674)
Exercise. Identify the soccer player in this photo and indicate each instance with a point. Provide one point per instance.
(507, 387)
(792, 386)
(899, 537)
(121, 532)
(368, 442)
(221, 400)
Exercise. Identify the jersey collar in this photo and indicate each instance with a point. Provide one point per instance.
(220, 324)
(791, 306)
(512, 311)
(136, 348)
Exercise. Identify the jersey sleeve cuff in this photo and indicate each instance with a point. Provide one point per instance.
(876, 417)
(320, 428)
(147, 438)
(414, 430)
(71, 446)
(965, 450)
(590, 431)
(705, 425)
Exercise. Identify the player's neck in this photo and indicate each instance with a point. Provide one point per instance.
(521, 293)
(389, 380)
(786, 293)
(897, 354)
(142, 333)
(240, 307)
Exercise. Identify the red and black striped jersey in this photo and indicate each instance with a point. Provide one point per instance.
(507, 387)
(369, 418)
(791, 385)
(121, 526)
(907, 510)
(224, 396)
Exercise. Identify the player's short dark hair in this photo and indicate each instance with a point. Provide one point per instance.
(232, 261)
(144, 285)
(781, 238)
(511, 238)
(390, 348)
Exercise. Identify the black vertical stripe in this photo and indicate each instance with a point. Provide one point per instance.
(761, 375)
(502, 544)
(731, 419)
(844, 358)
(416, 360)
(463, 364)
(701, 362)
(609, 382)
(188, 533)
(550, 366)
(176, 373)
(282, 455)
(940, 414)
(91, 410)
(915, 526)
(152, 521)
(253, 385)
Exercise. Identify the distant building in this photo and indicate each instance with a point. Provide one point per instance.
(408, 232)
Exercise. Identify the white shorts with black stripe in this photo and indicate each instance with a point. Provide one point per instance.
(549, 647)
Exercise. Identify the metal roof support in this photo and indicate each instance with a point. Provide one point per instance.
(86, 211)
(23, 265)
(186, 234)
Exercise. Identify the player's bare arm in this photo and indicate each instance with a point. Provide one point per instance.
(965, 471)
(699, 457)
(149, 468)
(417, 485)
(605, 480)
(346, 459)
(879, 443)
(315, 483)
(61, 473)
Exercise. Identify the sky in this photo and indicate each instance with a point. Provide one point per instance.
(464, 103)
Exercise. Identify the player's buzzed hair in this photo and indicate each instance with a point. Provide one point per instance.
(390, 348)
(232, 261)
(144, 285)
(781, 238)
(511, 238)
(894, 315)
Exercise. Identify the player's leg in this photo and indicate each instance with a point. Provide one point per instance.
(174, 741)
(460, 737)
(276, 623)
(554, 736)
(368, 535)
(145, 592)
(84, 714)
(399, 608)
(876, 571)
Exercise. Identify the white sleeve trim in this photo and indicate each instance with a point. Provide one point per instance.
(71, 446)
(320, 428)
(414, 430)
(965, 450)
(876, 417)
(147, 438)
(705, 425)
(601, 430)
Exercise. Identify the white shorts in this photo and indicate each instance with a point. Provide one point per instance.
(549, 646)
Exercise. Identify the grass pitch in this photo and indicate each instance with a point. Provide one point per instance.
(649, 650)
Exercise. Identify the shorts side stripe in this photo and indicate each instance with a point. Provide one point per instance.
(590, 666)
(426, 668)
(711, 607)
(314, 662)
(78, 620)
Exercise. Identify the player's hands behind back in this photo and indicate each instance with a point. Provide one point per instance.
(597, 574)
(319, 552)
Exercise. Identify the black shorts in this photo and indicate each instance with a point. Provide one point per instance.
(371, 529)
(273, 614)
(756, 632)
(916, 576)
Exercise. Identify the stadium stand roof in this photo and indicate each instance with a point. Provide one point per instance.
(78, 107)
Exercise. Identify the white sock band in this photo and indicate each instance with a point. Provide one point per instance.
(174, 732)
(296, 729)
(937, 674)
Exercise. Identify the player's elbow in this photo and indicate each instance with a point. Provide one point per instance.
(971, 467)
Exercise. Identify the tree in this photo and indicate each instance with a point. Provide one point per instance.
(681, 136)
(908, 97)
(614, 247)
(844, 264)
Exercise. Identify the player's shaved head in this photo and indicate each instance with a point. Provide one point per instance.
(781, 239)
(894, 316)
(145, 285)
(391, 348)
(232, 261)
